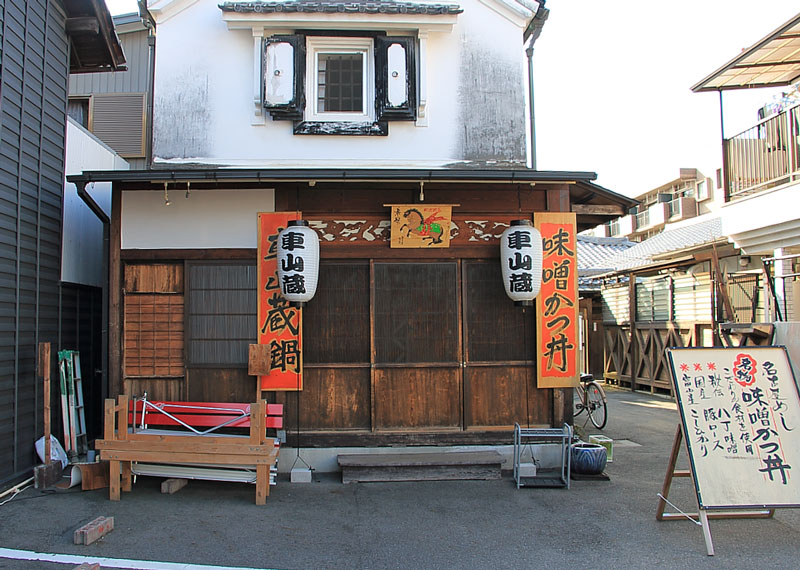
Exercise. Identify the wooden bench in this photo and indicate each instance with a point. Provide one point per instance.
(189, 435)
(427, 466)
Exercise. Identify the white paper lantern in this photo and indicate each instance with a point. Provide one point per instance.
(298, 262)
(521, 259)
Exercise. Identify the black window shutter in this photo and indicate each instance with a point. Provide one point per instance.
(395, 78)
(284, 69)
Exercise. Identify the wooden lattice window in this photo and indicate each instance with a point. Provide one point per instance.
(416, 313)
(336, 323)
(221, 313)
(486, 304)
(153, 343)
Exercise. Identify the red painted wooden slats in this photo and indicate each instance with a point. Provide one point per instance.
(202, 414)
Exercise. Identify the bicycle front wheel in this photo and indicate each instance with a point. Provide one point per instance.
(596, 405)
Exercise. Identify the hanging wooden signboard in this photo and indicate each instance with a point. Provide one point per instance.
(420, 226)
(557, 303)
(740, 414)
(280, 326)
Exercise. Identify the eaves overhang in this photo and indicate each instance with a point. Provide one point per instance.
(342, 15)
(592, 203)
(146, 178)
(94, 44)
(773, 61)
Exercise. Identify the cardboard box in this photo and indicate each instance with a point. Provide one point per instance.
(606, 442)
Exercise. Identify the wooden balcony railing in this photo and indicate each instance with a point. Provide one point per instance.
(763, 156)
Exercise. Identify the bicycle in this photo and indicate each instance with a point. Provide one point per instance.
(591, 398)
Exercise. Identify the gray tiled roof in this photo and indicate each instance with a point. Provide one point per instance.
(676, 240)
(351, 6)
(594, 252)
(593, 256)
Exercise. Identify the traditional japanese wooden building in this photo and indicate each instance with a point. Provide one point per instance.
(399, 346)
(340, 113)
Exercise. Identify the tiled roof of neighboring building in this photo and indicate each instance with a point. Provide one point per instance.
(675, 240)
(593, 256)
(594, 252)
(351, 6)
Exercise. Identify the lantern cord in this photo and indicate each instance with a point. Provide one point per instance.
(297, 417)
(527, 380)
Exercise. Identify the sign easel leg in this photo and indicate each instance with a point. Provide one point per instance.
(706, 532)
(673, 461)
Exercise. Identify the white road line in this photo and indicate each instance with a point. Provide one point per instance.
(111, 562)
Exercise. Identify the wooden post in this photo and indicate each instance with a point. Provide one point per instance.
(44, 372)
(262, 483)
(115, 386)
(114, 480)
(632, 345)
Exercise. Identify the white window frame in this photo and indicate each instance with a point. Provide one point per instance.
(703, 189)
(316, 45)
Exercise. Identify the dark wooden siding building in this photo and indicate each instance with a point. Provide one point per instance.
(36, 54)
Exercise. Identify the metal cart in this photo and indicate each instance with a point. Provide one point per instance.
(548, 436)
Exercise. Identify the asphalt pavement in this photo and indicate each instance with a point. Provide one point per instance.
(436, 525)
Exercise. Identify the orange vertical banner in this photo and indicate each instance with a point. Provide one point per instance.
(557, 303)
(280, 326)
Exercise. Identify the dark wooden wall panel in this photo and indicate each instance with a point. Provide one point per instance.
(155, 278)
(332, 399)
(81, 327)
(169, 389)
(501, 396)
(220, 385)
(407, 398)
(363, 198)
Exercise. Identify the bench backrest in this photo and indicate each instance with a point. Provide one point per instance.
(200, 414)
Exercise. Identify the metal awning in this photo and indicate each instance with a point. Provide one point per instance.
(773, 61)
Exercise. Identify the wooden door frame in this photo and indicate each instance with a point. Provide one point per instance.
(375, 366)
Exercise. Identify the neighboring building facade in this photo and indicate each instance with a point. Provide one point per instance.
(691, 194)
(664, 292)
(594, 259)
(409, 103)
(42, 42)
(762, 163)
(114, 106)
(84, 268)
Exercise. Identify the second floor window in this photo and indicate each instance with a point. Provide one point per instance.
(340, 84)
(339, 71)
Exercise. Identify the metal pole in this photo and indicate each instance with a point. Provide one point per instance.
(532, 119)
(725, 184)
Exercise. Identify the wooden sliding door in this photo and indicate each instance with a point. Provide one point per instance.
(417, 381)
(499, 354)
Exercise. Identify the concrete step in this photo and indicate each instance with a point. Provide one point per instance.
(429, 466)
